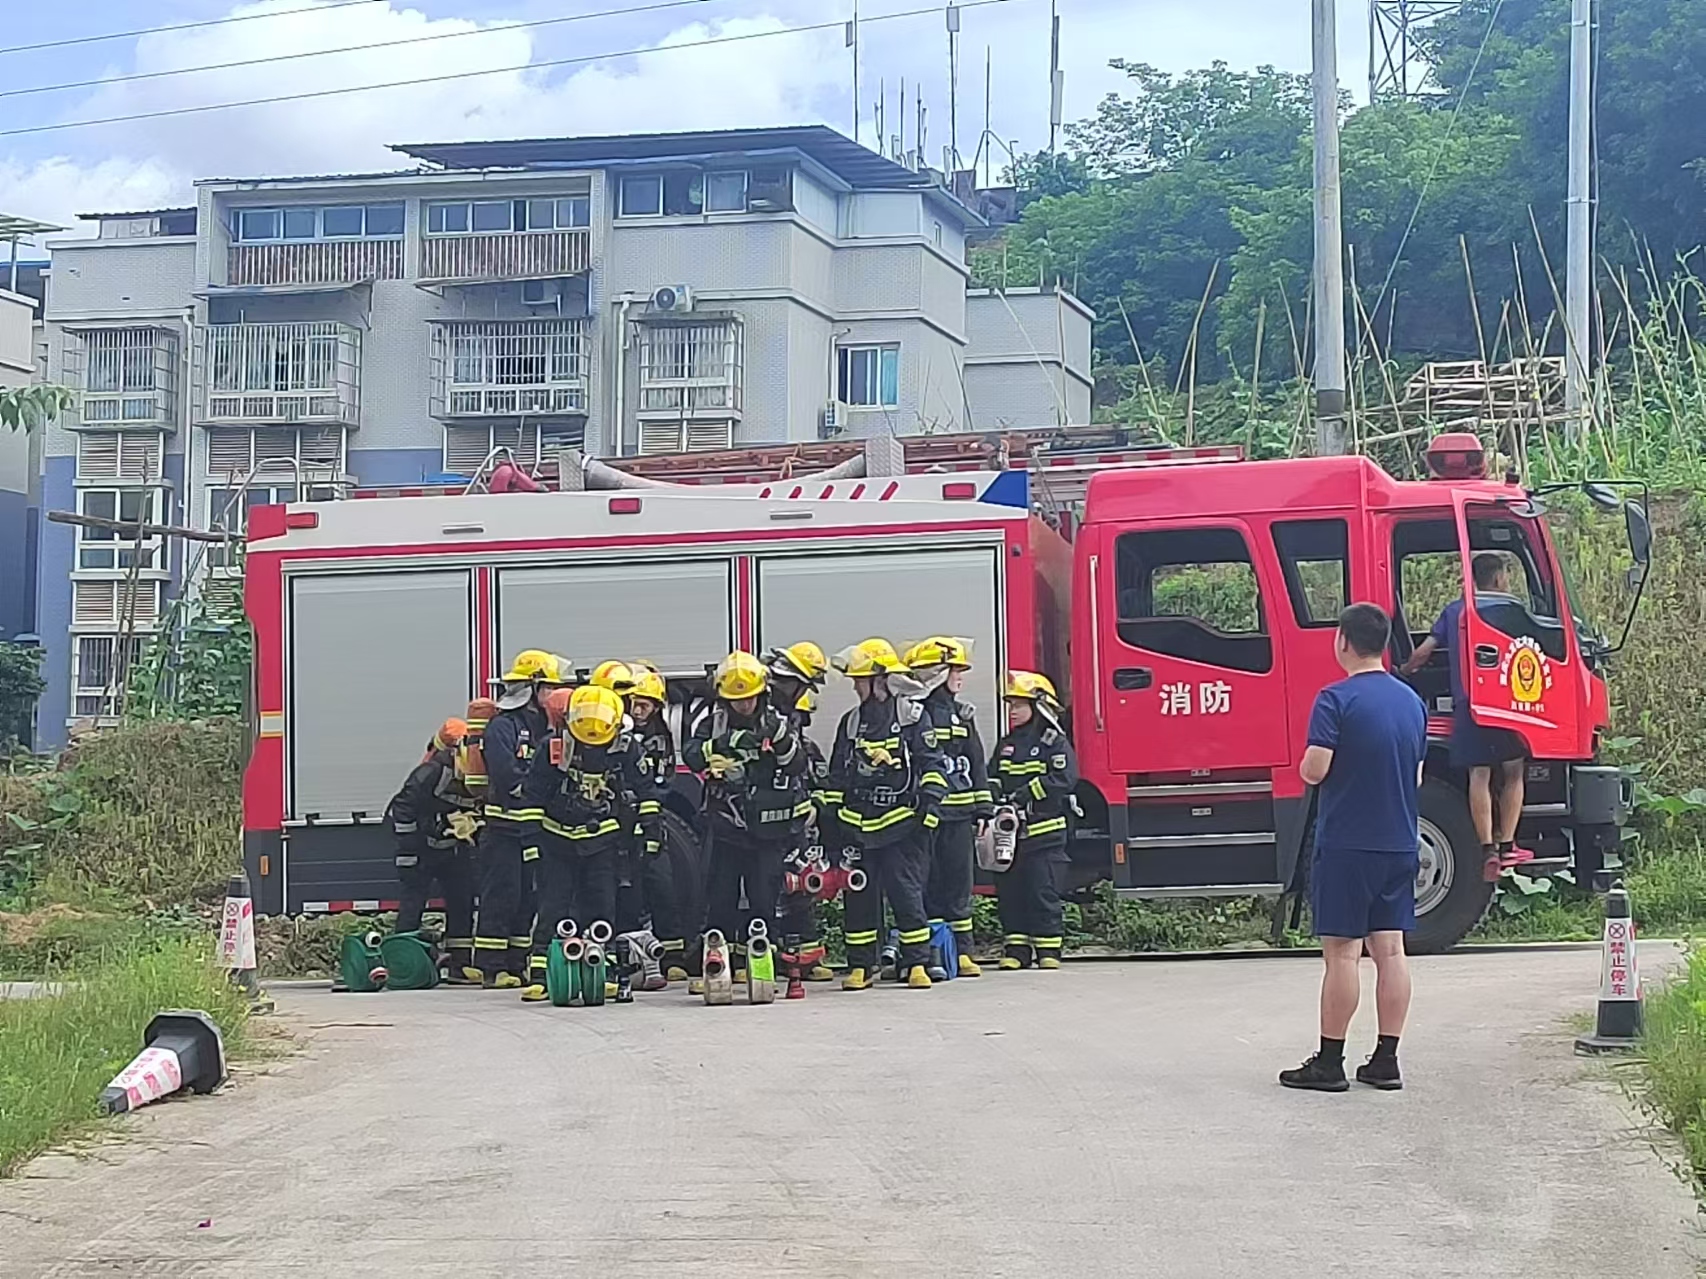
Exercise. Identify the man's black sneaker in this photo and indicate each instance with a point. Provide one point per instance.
(1380, 1072)
(1317, 1076)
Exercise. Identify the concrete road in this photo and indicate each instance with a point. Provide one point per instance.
(1110, 1119)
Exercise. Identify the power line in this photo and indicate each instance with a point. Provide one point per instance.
(353, 48)
(179, 26)
(837, 25)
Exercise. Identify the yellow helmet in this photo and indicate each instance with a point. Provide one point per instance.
(807, 702)
(1030, 687)
(869, 657)
(648, 683)
(740, 675)
(533, 664)
(618, 677)
(594, 715)
(940, 650)
(804, 661)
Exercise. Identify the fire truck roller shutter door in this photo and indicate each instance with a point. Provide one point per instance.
(677, 612)
(837, 599)
(354, 638)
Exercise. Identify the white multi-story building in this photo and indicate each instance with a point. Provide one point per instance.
(637, 294)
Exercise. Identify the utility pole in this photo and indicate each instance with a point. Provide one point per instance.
(953, 17)
(1579, 283)
(1329, 241)
(853, 44)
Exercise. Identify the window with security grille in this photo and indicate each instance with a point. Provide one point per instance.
(691, 370)
(119, 455)
(125, 374)
(107, 548)
(100, 666)
(281, 372)
(510, 368)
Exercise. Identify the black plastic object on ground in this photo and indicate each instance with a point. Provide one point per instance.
(181, 1048)
(1617, 1023)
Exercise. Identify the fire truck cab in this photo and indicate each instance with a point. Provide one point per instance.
(1205, 603)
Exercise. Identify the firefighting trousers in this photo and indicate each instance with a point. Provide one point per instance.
(739, 862)
(896, 871)
(1028, 893)
(452, 869)
(499, 860)
(576, 884)
(521, 932)
(947, 892)
(651, 895)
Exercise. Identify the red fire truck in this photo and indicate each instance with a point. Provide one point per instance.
(1189, 620)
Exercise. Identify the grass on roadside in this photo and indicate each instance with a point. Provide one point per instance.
(57, 1052)
(1674, 1063)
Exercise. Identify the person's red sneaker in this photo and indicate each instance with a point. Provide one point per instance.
(1514, 856)
(1492, 868)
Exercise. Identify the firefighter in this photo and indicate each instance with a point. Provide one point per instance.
(512, 817)
(589, 785)
(940, 664)
(755, 795)
(645, 888)
(434, 818)
(1035, 771)
(797, 673)
(521, 931)
(885, 788)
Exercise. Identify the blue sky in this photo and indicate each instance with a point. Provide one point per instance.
(771, 79)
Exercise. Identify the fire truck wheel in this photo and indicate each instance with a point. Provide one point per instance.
(1451, 896)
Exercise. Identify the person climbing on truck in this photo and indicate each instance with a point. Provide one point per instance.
(940, 664)
(1035, 770)
(885, 790)
(1478, 750)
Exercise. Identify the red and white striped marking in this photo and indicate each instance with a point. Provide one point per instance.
(155, 1073)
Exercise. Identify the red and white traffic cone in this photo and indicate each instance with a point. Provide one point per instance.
(180, 1049)
(1617, 1026)
(237, 941)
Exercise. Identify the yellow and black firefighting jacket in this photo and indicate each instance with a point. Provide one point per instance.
(948, 723)
(763, 795)
(1035, 770)
(510, 745)
(433, 812)
(656, 747)
(591, 795)
(885, 775)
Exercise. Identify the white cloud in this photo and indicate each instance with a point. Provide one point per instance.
(775, 79)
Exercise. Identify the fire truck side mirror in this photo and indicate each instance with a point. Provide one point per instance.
(1640, 532)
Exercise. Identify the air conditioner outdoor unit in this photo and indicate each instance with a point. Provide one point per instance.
(672, 297)
(832, 421)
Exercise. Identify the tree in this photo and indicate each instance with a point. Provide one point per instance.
(20, 686)
(27, 407)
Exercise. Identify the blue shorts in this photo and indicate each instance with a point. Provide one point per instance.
(1353, 894)
(1477, 746)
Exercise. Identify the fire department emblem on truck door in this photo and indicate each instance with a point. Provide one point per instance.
(1526, 674)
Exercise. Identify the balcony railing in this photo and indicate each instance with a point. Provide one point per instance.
(506, 256)
(315, 262)
(283, 373)
(507, 368)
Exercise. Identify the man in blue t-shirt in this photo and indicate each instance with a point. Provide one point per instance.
(1478, 750)
(1368, 735)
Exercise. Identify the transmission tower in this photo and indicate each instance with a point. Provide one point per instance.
(1396, 66)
